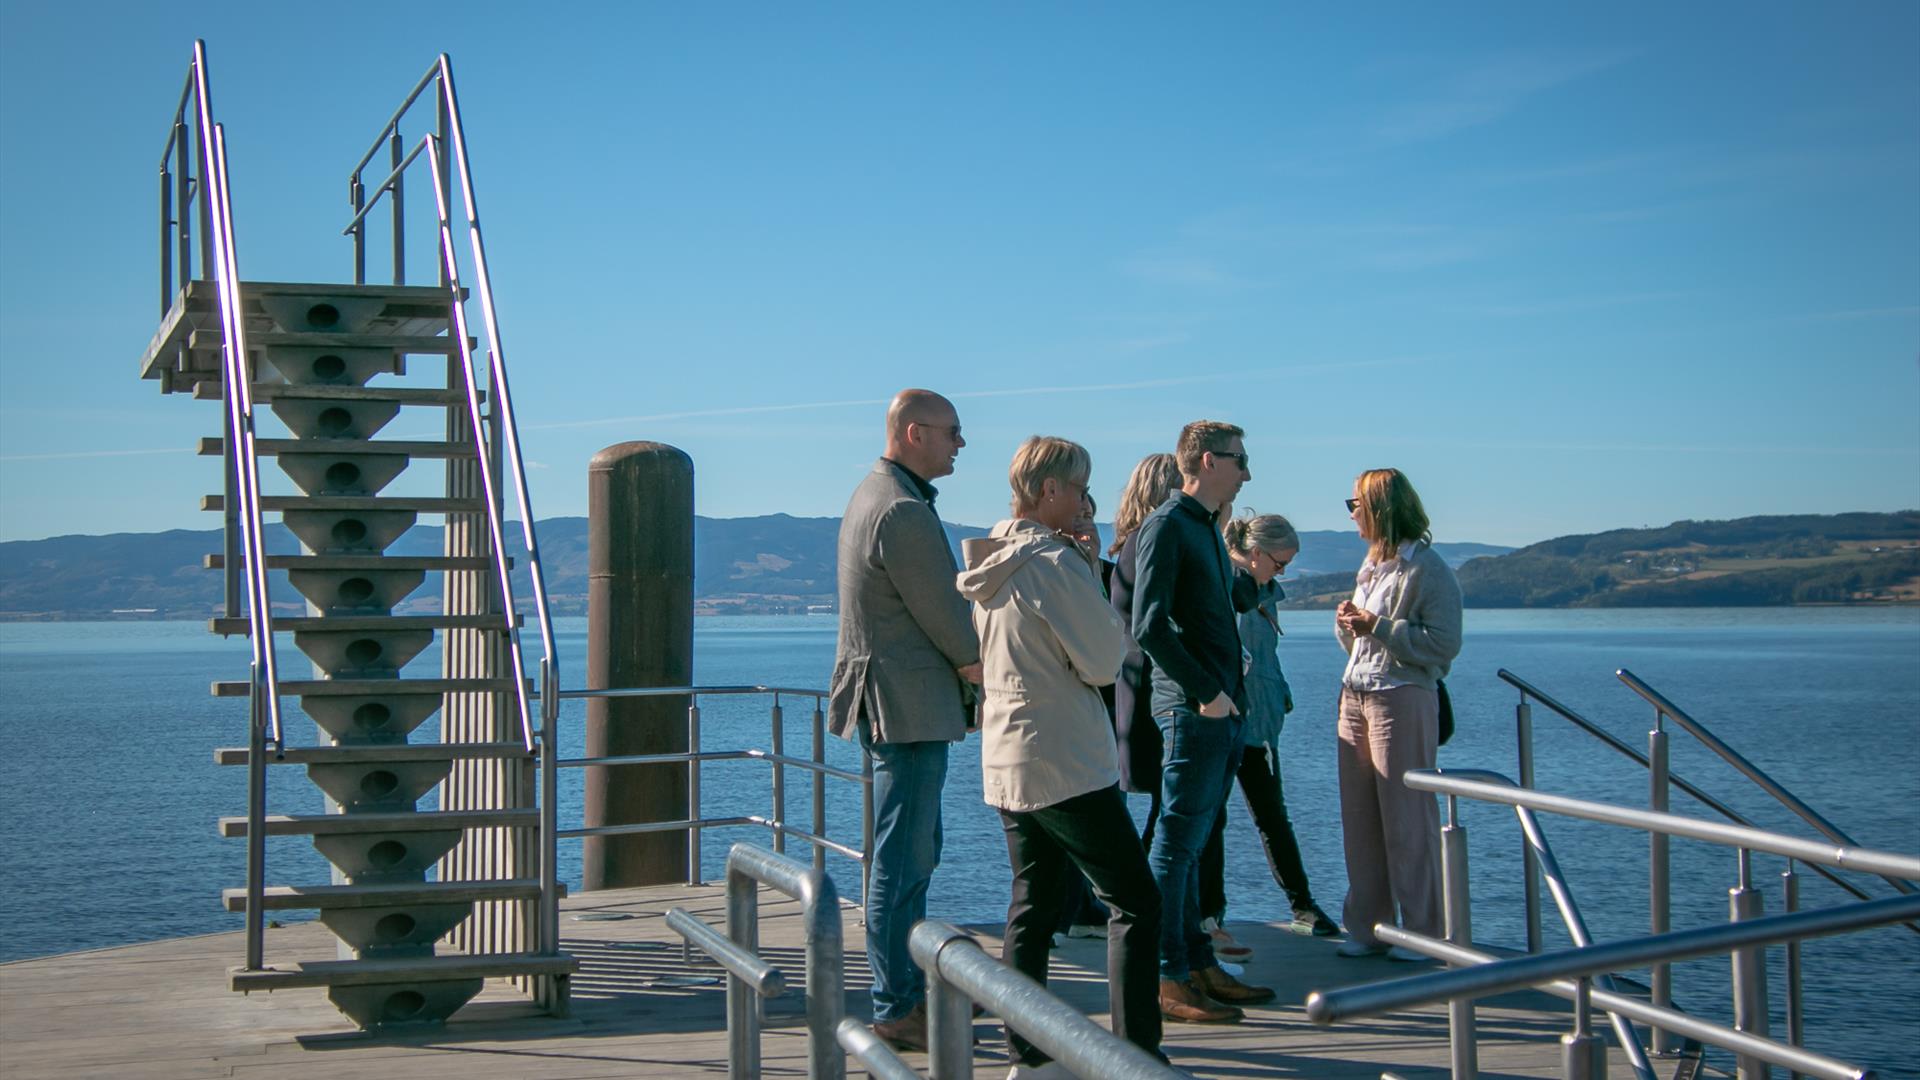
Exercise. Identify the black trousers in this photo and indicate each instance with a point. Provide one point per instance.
(1088, 835)
(1260, 785)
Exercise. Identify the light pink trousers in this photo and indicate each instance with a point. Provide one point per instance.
(1392, 832)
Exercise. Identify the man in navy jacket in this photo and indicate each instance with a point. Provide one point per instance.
(1183, 618)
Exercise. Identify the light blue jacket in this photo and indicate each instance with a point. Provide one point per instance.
(1269, 698)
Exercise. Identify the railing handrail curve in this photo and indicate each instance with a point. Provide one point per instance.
(1746, 768)
(1528, 690)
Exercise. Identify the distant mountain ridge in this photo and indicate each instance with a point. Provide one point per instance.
(1769, 561)
(771, 563)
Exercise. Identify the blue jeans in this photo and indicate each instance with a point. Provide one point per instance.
(907, 782)
(1197, 764)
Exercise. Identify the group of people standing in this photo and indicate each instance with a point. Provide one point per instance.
(1182, 624)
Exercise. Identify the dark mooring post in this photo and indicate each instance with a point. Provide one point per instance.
(639, 633)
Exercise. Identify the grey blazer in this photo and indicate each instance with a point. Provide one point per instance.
(904, 627)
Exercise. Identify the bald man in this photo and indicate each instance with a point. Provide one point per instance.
(906, 648)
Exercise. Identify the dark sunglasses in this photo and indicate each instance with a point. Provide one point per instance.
(1240, 457)
(1352, 505)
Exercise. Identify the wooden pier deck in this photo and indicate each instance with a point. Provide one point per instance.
(162, 1010)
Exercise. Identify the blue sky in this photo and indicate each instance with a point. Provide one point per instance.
(1571, 268)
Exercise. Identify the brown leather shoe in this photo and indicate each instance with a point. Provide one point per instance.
(907, 1033)
(1182, 1003)
(1222, 987)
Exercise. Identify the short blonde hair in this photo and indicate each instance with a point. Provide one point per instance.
(1153, 479)
(1041, 458)
(1393, 510)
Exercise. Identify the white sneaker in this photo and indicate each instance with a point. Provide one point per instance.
(1052, 1070)
(1087, 930)
(1352, 949)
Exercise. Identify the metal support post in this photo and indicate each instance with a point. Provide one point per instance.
(1457, 901)
(693, 790)
(1582, 1055)
(1659, 878)
(1796, 1011)
(399, 201)
(1744, 902)
(819, 785)
(183, 202)
(866, 829)
(256, 822)
(949, 1029)
(743, 1005)
(1523, 732)
(779, 777)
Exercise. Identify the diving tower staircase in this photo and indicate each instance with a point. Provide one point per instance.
(441, 846)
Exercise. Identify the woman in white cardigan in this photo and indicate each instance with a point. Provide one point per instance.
(1401, 632)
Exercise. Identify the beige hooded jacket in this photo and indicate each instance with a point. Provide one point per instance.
(1047, 638)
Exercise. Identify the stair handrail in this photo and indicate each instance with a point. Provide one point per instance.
(1781, 794)
(443, 147)
(218, 250)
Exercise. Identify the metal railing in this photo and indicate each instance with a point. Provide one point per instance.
(1745, 936)
(694, 757)
(213, 192)
(751, 978)
(446, 150)
(1661, 781)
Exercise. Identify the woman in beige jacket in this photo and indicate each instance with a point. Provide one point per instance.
(1048, 640)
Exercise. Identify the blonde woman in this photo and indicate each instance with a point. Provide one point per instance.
(1401, 631)
(1048, 641)
(1152, 480)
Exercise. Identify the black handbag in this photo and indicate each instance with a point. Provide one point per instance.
(1446, 711)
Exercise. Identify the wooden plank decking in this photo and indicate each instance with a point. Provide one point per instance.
(162, 1010)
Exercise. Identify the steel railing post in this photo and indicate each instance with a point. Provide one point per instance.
(1796, 1009)
(560, 988)
(256, 822)
(743, 1005)
(1582, 1055)
(1744, 902)
(1523, 732)
(779, 777)
(230, 450)
(399, 203)
(693, 789)
(949, 1028)
(166, 238)
(1659, 874)
(357, 196)
(183, 200)
(819, 784)
(1457, 905)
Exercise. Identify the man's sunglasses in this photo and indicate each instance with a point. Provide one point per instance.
(1240, 456)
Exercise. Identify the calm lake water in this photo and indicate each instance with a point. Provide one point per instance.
(110, 791)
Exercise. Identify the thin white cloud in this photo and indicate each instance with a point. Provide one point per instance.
(74, 455)
(1483, 94)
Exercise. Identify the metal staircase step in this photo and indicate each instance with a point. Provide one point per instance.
(419, 504)
(362, 562)
(242, 625)
(410, 970)
(386, 822)
(210, 339)
(390, 894)
(377, 752)
(370, 687)
(214, 447)
(405, 395)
